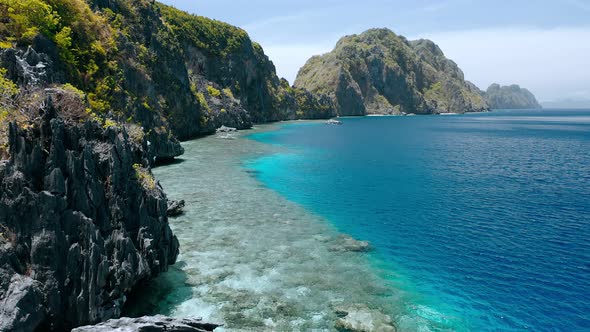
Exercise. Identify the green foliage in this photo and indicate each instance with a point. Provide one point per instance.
(63, 40)
(214, 36)
(71, 88)
(213, 92)
(109, 123)
(144, 177)
(425, 80)
(8, 92)
(24, 19)
(203, 102)
(123, 59)
(7, 88)
(228, 93)
(84, 39)
(435, 91)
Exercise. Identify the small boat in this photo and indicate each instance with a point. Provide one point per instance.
(333, 122)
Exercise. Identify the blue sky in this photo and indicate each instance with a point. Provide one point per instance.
(542, 45)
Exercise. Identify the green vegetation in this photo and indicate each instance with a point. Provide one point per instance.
(144, 177)
(8, 93)
(216, 37)
(213, 92)
(83, 38)
(25, 19)
(109, 123)
(203, 102)
(8, 90)
(144, 61)
(228, 93)
(362, 69)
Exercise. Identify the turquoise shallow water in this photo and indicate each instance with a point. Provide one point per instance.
(255, 261)
(483, 219)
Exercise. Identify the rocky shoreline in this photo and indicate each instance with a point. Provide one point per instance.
(156, 323)
(83, 222)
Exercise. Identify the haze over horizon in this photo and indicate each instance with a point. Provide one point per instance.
(540, 45)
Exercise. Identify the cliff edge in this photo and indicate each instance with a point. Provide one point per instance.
(82, 221)
(379, 72)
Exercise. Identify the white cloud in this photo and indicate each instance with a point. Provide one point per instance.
(552, 63)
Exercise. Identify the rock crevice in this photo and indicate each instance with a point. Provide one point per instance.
(81, 224)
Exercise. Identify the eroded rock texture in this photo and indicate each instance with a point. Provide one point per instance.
(82, 222)
(150, 323)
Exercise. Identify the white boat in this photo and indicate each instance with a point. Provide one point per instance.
(333, 122)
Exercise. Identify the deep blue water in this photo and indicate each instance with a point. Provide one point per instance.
(485, 218)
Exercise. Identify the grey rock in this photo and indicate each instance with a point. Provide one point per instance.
(360, 318)
(162, 147)
(347, 243)
(78, 231)
(22, 305)
(149, 323)
(224, 129)
(175, 208)
(510, 97)
(26, 66)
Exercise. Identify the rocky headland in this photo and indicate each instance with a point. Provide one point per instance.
(510, 97)
(379, 72)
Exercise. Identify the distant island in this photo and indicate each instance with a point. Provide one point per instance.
(379, 72)
(510, 97)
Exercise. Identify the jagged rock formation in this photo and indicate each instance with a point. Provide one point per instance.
(31, 70)
(82, 222)
(146, 63)
(510, 97)
(171, 73)
(378, 72)
(234, 81)
(153, 324)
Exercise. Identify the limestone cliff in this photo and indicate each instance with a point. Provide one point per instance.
(379, 72)
(510, 97)
(82, 222)
(146, 63)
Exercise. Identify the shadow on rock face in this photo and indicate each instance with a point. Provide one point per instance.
(161, 295)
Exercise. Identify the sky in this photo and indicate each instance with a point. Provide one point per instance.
(542, 45)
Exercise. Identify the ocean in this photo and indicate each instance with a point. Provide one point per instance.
(478, 222)
(485, 218)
